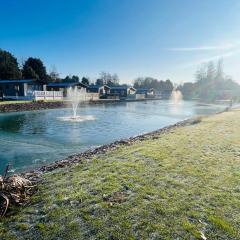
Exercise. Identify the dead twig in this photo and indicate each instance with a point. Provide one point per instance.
(14, 190)
(4, 203)
(6, 171)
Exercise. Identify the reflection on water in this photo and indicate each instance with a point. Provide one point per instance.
(176, 108)
(30, 139)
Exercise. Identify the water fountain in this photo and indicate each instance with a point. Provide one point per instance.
(176, 102)
(75, 96)
(176, 96)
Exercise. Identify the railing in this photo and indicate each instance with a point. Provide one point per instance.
(47, 95)
(92, 96)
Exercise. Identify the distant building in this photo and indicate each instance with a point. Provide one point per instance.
(20, 89)
(151, 93)
(95, 92)
(100, 89)
(144, 93)
(116, 92)
(64, 86)
(122, 92)
(163, 94)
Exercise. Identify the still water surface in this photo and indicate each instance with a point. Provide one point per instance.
(32, 139)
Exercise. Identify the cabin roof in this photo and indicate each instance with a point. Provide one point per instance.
(144, 90)
(134, 89)
(94, 87)
(97, 86)
(121, 88)
(66, 84)
(118, 88)
(19, 81)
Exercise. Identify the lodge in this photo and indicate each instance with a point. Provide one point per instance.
(63, 86)
(122, 92)
(145, 93)
(20, 89)
(31, 89)
(116, 92)
(102, 90)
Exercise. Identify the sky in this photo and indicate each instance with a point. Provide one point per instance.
(165, 39)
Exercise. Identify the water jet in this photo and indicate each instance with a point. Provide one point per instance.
(76, 96)
(176, 96)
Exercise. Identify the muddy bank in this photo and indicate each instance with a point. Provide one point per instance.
(30, 106)
(41, 105)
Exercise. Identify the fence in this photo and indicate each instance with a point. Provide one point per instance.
(47, 95)
(92, 96)
(140, 96)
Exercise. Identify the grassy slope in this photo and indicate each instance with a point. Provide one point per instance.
(174, 187)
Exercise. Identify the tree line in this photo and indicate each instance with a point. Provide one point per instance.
(149, 82)
(211, 84)
(34, 68)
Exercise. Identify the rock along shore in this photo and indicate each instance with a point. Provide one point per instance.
(30, 106)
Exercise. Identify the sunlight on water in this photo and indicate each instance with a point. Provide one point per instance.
(77, 118)
(176, 101)
(176, 97)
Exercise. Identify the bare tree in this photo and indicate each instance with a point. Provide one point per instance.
(108, 78)
(211, 71)
(219, 71)
(201, 74)
(54, 75)
(115, 79)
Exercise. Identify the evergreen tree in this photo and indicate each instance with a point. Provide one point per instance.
(8, 66)
(85, 81)
(34, 67)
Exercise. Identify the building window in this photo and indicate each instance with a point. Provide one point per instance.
(17, 87)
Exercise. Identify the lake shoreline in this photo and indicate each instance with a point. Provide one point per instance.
(79, 156)
(35, 174)
(170, 182)
(41, 105)
(47, 105)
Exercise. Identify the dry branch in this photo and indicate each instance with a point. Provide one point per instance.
(14, 190)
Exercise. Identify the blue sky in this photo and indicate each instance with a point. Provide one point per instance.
(159, 38)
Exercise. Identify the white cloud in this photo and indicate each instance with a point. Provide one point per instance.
(212, 58)
(204, 48)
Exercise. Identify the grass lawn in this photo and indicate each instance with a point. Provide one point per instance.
(183, 185)
(13, 102)
(25, 101)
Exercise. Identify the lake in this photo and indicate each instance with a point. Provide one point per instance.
(32, 139)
